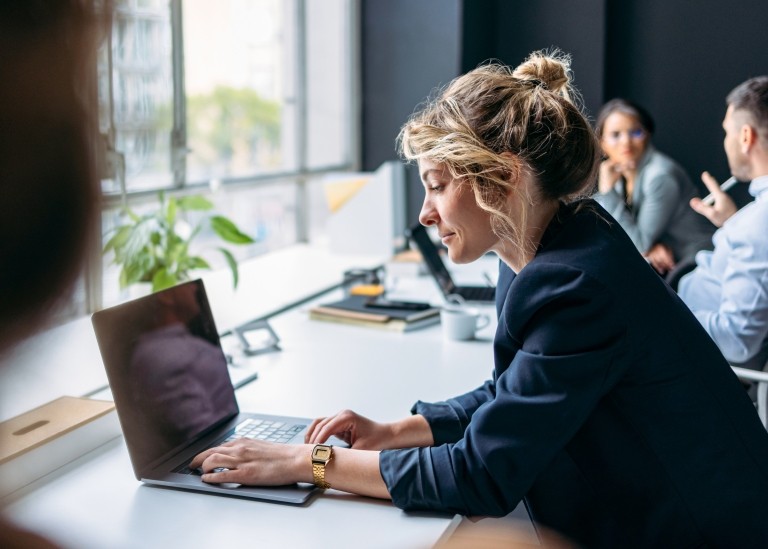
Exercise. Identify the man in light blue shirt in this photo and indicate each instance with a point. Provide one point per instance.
(728, 290)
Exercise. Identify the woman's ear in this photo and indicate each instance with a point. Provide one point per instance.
(512, 167)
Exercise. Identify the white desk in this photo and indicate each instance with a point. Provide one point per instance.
(65, 360)
(323, 367)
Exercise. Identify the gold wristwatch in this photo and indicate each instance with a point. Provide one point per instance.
(321, 455)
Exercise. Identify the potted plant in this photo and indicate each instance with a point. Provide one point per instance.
(154, 247)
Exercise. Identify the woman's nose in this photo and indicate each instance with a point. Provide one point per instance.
(427, 215)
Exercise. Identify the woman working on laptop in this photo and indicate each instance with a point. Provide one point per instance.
(609, 411)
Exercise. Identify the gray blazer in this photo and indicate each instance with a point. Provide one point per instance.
(660, 210)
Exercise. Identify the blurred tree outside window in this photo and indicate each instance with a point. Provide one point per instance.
(245, 101)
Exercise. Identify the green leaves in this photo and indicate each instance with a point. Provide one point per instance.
(163, 279)
(154, 247)
(195, 202)
(229, 231)
(232, 265)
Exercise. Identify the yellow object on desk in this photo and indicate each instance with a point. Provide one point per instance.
(367, 289)
(338, 193)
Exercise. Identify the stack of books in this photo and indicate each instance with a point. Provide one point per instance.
(355, 310)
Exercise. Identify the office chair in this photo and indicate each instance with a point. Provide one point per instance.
(761, 378)
(679, 271)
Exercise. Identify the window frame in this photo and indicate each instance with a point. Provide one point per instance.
(299, 177)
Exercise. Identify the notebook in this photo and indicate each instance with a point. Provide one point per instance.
(173, 393)
(354, 310)
(439, 271)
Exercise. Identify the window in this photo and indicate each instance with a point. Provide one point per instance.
(239, 88)
(246, 101)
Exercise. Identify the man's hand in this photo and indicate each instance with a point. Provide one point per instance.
(723, 207)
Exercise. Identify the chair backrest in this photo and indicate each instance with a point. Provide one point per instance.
(761, 379)
(679, 271)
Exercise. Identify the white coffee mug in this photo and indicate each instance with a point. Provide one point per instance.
(461, 323)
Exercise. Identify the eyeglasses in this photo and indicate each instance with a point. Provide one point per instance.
(634, 134)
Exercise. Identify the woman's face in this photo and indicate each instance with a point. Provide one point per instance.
(623, 138)
(463, 226)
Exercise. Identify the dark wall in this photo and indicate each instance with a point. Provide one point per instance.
(678, 58)
(408, 48)
(520, 27)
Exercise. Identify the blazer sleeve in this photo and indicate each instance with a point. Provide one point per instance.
(571, 341)
(448, 420)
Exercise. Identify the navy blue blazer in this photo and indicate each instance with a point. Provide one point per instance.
(610, 410)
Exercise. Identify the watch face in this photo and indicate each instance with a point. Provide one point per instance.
(321, 453)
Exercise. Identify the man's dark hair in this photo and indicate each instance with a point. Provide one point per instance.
(752, 96)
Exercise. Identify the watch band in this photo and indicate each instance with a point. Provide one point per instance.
(321, 455)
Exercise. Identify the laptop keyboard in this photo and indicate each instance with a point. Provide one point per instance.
(478, 293)
(257, 429)
(264, 429)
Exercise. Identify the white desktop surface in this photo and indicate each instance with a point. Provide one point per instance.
(65, 360)
(322, 368)
(100, 505)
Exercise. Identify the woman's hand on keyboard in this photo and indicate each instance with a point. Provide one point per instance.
(362, 433)
(260, 463)
(254, 462)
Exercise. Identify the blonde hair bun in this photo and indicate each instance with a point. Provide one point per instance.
(494, 124)
(551, 69)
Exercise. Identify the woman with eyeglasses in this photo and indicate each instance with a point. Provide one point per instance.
(646, 191)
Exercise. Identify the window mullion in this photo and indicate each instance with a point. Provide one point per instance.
(302, 199)
(354, 85)
(179, 133)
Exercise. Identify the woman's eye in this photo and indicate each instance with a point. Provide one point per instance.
(436, 188)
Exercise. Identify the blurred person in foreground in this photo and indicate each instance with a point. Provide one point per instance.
(49, 193)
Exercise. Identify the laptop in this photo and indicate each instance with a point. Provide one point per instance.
(438, 270)
(174, 396)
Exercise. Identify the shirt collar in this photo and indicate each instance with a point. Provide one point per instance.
(758, 185)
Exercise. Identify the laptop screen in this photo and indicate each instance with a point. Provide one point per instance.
(432, 258)
(166, 369)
